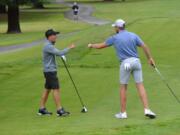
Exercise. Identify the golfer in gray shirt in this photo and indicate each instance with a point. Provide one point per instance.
(50, 73)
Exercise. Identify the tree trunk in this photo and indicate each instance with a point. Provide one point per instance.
(2, 8)
(13, 18)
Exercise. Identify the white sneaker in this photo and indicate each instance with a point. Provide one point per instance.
(148, 113)
(121, 115)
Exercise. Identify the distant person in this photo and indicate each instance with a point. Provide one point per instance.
(50, 73)
(125, 44)
(75, 9)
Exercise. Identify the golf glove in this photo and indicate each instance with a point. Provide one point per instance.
(127, 66)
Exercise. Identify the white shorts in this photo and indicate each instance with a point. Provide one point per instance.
(131, 66)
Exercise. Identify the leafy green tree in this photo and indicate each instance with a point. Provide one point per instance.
(13, 12)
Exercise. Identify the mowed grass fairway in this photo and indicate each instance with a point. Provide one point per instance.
(96, 73)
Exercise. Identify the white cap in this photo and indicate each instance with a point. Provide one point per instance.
(119, 23)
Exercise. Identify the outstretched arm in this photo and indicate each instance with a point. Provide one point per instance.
(58, 52)
(98, 46)
(148, 54)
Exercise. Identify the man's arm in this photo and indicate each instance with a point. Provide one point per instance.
(98, 46)
(148, 54)
(58, 52)
(107, 43)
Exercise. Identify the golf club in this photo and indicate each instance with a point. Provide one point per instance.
(84, 109)
(166, 83)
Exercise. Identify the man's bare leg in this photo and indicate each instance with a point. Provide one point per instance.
(60, 110)
(144, 99)
(44, 98)
(122, 114)
(56, 95)
(123, 90)
(142, 94)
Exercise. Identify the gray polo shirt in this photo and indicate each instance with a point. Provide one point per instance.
(49, 55)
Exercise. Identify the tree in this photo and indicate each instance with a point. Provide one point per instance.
(13, 17)
(2, 8)
(38, 4)
(13, 13)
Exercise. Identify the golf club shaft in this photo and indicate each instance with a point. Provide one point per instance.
(73, 82)
(164, 80)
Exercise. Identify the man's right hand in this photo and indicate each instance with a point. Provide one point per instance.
(90, 46)
(98, 46)
(72, 46)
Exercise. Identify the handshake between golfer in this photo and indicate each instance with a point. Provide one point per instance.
(125, 44)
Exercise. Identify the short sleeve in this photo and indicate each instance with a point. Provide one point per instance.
(139, 41)
(110, 41)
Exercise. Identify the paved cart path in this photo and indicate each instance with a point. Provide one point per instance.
(85, 14)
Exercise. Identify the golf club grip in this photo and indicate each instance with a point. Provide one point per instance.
(154, 66)
(73, 82)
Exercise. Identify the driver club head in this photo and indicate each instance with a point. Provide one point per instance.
(84, 110)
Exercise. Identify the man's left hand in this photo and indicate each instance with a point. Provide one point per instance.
(151, 62)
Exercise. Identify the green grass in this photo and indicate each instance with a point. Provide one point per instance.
(96, 73)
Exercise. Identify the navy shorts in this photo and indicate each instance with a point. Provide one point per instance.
(51, 80)
(75, 12)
